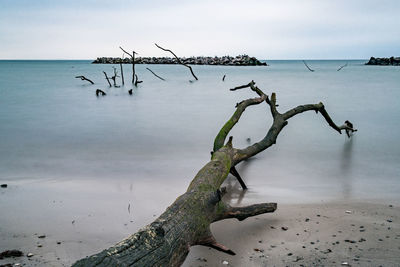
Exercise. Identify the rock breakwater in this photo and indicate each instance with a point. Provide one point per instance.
(242, 60)
(384, 61)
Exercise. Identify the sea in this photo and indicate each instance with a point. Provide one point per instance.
(73, 160)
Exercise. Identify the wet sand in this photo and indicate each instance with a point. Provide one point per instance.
(325, 234)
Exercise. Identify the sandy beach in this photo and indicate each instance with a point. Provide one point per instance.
(319, 234)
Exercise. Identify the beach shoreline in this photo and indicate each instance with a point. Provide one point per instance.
(359, 233)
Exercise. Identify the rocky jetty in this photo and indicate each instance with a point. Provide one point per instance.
(384, 61)
(242, 60)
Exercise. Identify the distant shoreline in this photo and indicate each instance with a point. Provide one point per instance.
(242, 60)
(384, 61)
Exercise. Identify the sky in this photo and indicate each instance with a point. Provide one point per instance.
(285, 29)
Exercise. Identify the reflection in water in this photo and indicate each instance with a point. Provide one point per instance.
(233, 188)
(346, 168)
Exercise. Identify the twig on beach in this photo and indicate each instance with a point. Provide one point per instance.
(178, 60)
(155, 74)
(308, 66)
(83, 78)
(341, 67)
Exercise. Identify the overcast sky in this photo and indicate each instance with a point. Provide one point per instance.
(69, 29)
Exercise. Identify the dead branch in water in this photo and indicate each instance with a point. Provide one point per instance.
(179, 61)
(137, 80)
(100, 92)
(108, 79)
(114, 77)
(341, 67)
(308, 66)
(83, 78)
(155, 74)
(122, 71)
(133, 62)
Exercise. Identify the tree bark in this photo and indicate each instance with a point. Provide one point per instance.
(167, 240)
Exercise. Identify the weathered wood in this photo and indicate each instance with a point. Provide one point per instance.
(83, 78)
(308, 66)
(108, 79)
(100, 92)
(179, 61)
(122, 73)
(341, 67)
(137, 80)
(155, 74)
(114, 77)
(133, 62)
(167, 240)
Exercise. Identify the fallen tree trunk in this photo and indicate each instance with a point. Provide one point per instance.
(167, 240)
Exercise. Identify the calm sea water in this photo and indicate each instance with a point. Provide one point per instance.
(59, 142)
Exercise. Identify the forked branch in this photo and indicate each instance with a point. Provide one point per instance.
(83, 78)
(166, 241)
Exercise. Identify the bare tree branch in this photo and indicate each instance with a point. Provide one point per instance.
(83, 78)
(179, 61)
(133, 63)
(122, 71)
(155, 74)
(137, 80)
(308, 66)
(341, 67)
(108, 79)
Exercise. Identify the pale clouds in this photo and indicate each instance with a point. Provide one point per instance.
(266, 29)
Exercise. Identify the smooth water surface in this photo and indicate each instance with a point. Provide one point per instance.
(59, 143)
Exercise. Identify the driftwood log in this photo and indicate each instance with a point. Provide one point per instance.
(178, 60)
(167, 240)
